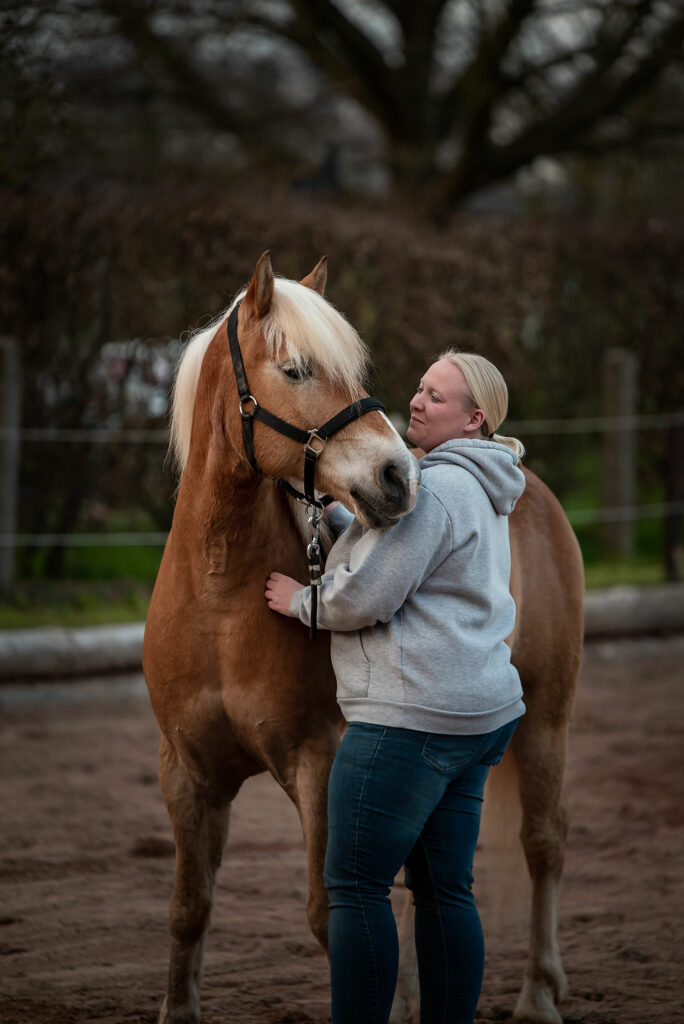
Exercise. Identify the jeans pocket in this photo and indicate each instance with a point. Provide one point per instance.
(499, 741)
(446, 753)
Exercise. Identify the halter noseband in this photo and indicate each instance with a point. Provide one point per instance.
(312, 440)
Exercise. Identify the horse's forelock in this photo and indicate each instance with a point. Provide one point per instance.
(309, 331)
(302, 326)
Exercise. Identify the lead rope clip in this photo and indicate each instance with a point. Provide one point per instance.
(313, 554)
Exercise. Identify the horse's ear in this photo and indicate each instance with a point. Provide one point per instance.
(260, 291)
(318, 276)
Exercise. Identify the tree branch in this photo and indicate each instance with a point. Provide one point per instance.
(471, 96)
(194, 90)
(642, 134)
(340, 49)
(471, 100)
(562, 131)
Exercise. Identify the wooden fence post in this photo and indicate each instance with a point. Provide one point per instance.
(10, 415)
(674, 494)
(620, 368)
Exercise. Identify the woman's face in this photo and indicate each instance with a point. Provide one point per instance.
(440, 408)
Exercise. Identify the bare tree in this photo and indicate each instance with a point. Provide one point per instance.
(462, 93)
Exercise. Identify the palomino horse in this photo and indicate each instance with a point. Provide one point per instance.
(238, 690)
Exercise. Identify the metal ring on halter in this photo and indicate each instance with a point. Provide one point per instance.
(314, 513)
(250, 413)
(313, 436)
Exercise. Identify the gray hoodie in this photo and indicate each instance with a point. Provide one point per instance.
(420, 611)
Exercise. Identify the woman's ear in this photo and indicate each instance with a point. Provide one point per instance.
(477, 418)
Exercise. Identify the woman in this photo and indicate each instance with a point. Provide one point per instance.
(419, 614)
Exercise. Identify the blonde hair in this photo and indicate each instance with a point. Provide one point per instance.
(301, 325)
(487, 391)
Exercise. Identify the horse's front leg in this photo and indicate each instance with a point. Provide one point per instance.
(200, 828)
(307, 786)
(540, 755)
(310, 794)
(406, 1005)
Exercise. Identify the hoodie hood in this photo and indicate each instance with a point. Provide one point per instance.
(493, 465)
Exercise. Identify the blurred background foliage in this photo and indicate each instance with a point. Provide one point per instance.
(503, 177)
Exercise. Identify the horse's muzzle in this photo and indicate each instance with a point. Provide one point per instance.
(394, 484)
(394, 497)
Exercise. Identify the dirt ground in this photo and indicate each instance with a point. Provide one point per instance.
(86, 864)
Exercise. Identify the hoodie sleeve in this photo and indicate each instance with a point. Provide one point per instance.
(338, 519)
(384, 568)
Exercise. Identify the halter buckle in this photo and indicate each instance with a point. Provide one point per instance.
(250, 412)
(313, 436)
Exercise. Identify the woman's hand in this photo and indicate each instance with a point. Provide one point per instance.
(279, 591)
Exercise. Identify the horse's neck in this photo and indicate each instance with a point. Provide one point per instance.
(226, 496)
(219, 489)
(230, 520)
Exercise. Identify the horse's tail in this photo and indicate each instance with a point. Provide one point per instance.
(502, 879)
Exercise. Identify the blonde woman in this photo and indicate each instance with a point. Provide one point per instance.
(419, 614)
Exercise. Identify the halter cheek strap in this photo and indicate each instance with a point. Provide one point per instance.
(313, 441)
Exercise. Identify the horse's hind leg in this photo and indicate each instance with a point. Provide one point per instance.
(200, 828)
(540, 755)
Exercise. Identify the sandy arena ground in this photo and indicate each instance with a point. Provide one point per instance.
(86, 864)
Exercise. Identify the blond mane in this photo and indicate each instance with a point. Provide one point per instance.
(301, 327)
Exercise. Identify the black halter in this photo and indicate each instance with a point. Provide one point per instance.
(312, 440)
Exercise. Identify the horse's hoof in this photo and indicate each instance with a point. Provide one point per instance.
(181, 1015)
(403, 1012)
(537, 1005)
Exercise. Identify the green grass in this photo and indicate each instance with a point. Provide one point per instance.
(89, 602)
(75, 603)
(639, 572)
(105, 563)
(100, 586)
(111, 585)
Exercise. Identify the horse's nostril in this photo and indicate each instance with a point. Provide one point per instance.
(392, 481)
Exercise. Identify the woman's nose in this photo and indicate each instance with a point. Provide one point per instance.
(415, 402)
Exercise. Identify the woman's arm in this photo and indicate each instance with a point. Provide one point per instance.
(280, 588)
(384, 568)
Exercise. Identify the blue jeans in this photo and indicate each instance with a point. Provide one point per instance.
(396, 797)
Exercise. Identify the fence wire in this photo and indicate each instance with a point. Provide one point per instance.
(580, 425)
(548, 427)
(578, 517)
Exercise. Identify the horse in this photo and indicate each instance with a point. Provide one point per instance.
(237, 689)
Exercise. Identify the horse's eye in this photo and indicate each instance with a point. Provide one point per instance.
(297, 373)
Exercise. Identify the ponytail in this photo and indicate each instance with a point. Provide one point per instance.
(488, 392)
